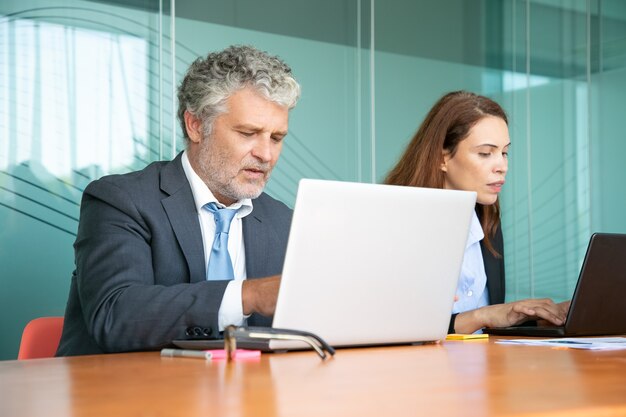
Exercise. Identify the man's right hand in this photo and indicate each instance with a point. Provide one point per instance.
(259, 295)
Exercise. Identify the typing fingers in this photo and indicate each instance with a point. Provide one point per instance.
(549, 315)
(542, 309)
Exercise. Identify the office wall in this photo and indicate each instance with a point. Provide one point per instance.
(564, 124)
(608, 92)
(87, 88)
(608, 191)
(555, 66)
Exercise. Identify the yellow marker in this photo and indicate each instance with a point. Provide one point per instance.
(457, 336)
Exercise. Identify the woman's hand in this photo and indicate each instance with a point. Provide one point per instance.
(563, 306)
(510, 314)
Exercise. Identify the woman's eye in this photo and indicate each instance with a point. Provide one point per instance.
(484, 154)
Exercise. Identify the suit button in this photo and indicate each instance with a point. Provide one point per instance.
(189, 331)
(206, 331)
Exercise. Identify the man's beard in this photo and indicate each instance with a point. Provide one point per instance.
(221, 178)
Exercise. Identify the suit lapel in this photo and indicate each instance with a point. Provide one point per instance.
(257, 245)
(259, 240)
(182, 214)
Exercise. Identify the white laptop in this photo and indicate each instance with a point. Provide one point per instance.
(369, 264)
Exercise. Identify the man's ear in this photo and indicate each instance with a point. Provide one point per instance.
(194, 127)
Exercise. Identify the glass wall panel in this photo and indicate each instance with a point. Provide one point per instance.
(564, 150)
(323, 140)
(80, 97)
(556, 66)
(423, 50)
(88, 88)
(546, 218)
(608, 92)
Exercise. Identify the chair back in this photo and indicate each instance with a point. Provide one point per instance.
(40, 338)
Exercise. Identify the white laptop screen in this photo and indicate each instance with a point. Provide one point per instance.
(373, 264)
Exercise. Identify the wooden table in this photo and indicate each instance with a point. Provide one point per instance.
(464, 378)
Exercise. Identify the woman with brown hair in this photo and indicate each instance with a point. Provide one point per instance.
(463, 144)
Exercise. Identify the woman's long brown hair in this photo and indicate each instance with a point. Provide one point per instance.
(445, 126)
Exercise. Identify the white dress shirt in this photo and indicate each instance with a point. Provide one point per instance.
(231, 308)
(472, 287)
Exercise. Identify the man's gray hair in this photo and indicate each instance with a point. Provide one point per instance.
(210, 81)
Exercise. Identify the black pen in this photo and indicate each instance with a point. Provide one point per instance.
(186, 353)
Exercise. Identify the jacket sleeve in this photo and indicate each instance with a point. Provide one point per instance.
(133, 282)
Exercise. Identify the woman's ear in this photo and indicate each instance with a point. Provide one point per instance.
(444, 165)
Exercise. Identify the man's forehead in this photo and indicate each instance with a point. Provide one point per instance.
(248, 108)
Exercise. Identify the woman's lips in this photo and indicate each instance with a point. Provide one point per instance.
(496, 186)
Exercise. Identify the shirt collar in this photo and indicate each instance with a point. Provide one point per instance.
(476, 233)
(202, 195)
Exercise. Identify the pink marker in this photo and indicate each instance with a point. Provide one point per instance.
(218, 354)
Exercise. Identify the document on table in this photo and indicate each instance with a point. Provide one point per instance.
(588, 343)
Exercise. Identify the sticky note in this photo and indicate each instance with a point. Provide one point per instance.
(457, 336)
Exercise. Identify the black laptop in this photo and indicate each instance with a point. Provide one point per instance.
(599, 303)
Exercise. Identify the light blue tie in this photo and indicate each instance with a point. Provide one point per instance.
(220, 267)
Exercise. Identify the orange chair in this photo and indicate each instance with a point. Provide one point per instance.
(40, 338)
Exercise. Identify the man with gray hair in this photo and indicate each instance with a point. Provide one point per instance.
(187, 247)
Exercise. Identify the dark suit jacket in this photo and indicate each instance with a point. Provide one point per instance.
(140, 278)
(494, 269)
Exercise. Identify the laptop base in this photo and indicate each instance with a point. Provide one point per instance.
(528, 331)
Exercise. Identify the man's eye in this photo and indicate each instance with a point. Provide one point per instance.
(246, 134)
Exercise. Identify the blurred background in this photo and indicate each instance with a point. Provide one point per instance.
(87, 88)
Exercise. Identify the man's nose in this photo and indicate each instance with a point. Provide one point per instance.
(262, 150)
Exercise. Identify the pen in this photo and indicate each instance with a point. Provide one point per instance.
(186, 353)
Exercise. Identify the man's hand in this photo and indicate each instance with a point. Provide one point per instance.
(510, 314)
(259, 295)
